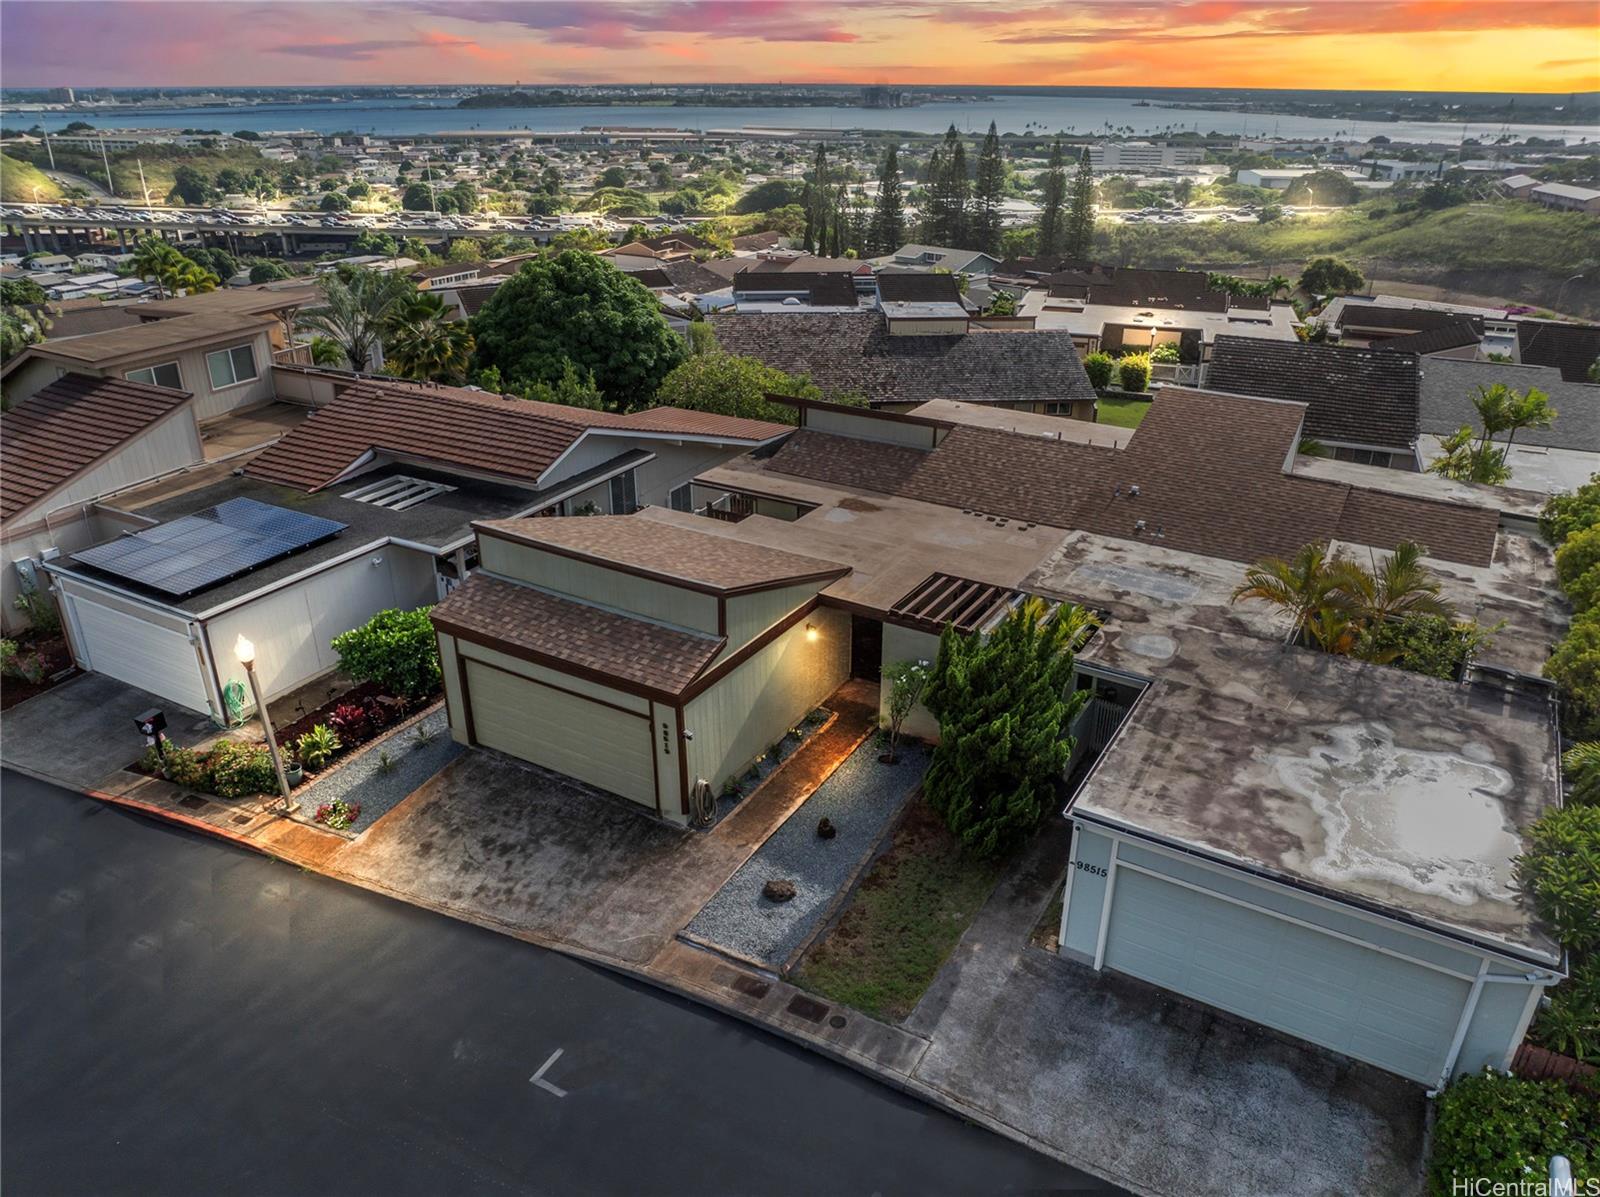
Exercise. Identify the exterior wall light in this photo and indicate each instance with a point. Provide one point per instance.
(811, 631)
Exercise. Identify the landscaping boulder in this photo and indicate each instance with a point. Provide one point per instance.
(825, 829)
(778, 890)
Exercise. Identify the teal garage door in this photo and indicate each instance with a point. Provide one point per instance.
(1378, 1008)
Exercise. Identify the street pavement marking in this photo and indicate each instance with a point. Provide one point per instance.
(538, 1077)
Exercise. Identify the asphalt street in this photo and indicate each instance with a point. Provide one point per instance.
(182, 1017)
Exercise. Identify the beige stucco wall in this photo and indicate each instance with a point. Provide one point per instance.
(746, 712)
(751, 614)
(866, 428)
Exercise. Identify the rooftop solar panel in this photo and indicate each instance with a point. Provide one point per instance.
(189, 554)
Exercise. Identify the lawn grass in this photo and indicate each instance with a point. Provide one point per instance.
(1124, 413)
(903, 921)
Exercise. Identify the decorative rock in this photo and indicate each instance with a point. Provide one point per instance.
(825, 829)
(778, 891)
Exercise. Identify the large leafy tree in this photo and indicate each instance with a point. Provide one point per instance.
(731, 385)
(987, 192)
(1078, 233)
(357, 311)
(1330, 276)
(189, 186)
(577, 307)
(887, 230)
(1004, 702)
(1052, 212)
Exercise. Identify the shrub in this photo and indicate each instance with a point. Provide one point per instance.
(396, 649)
(1575, 667)
(1168, 353)
(1426, 644)
(186, 767)
(351, 721)
(40, 610)
(338, 814)
(240, 770)
(907, 680)
(8, 658)
(1099, 366)
(1582, 765)
(316, 748)
(1560, 869)
(1577, 559)
(1571, 1024)
(1504, 1129)
(1566, 514)
(1003, 702)
(1133, 372)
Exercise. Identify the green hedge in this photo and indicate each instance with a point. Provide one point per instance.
(1501, 1128)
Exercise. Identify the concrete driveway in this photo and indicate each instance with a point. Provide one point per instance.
(82, 731)
(1162, 1095)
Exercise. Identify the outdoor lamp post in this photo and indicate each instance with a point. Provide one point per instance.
(246, 652)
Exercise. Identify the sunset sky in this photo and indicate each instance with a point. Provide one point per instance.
(1443, 45)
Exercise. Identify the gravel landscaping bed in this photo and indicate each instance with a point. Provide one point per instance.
(859, 799)
(376, 788)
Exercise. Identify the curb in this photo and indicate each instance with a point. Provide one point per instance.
(188, 821)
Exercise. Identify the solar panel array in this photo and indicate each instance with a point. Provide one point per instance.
(195, 551)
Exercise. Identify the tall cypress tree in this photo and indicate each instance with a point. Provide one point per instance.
(820, 205)
(988, 191)
(1055, 197)
(935, 203)
(808, 240)
(887, 231)
(958, 191)
(1079, 235)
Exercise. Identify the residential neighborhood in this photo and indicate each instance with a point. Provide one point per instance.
(732, 646)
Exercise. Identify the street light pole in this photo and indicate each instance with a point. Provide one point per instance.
(246, 652)
(1563, 290)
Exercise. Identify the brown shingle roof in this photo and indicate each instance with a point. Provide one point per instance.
(575, 634)
(66, 427)
(1574, 349)
(682, 556)
(510, 437)
(1210, 473)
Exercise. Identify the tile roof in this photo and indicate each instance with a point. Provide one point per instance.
(1209, 470)
(64, 428)
(854, 354)
(503, 435)
(1448, 386)
(647, 654)
(683, 556)
(1571, 348)
(1372, 315)
(1356, 396)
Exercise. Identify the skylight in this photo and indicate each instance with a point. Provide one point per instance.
(398, 492)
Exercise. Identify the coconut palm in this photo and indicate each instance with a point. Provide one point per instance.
(172, 272)
(1277, 285)
(1398, 587)
(1527, 410)
(1307, 587)
(430, 351)
(357, 308)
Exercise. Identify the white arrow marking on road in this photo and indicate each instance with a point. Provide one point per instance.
(538, 1077)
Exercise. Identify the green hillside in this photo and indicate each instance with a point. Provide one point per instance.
(19, 179)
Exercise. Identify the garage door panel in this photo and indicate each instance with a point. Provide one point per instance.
(147, 655)
(1329, 991)
(568, 733)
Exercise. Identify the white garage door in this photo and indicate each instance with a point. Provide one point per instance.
(1374, 1007)
(595, 743)
(146, 655)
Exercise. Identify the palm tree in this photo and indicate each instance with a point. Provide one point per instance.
(1277, 285)
(1399, 587)
(1307, 587)
(1582, 766)
(1530, 410)
(430, 351)
(356, 311)
(155, 258)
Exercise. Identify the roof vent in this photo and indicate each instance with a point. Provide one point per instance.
(1138, 525)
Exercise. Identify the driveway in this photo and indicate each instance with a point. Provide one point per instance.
(1165, 1096)
(82, 731)
(505, 842)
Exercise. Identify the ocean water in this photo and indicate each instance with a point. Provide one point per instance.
(1084, 115)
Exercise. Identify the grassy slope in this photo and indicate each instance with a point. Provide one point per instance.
(18, 180)
(1490, 240)
(159, 164)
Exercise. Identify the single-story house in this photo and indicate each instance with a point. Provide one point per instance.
(938, 257)
(1363, 403)
(1566, 196)
(861, 354)
(1574, 349)
(1363, 324)
(392, 477)
(72, 441)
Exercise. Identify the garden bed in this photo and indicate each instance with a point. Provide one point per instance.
(368, 784)
(904, 920)
(41, 663)
(764, 766)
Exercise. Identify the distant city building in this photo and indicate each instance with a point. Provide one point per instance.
(1143, 155)
(882, 97)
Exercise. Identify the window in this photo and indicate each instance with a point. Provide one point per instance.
(164, 375)
(231, 366)
(1371, 457)
(679, 500)
(624, 496)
